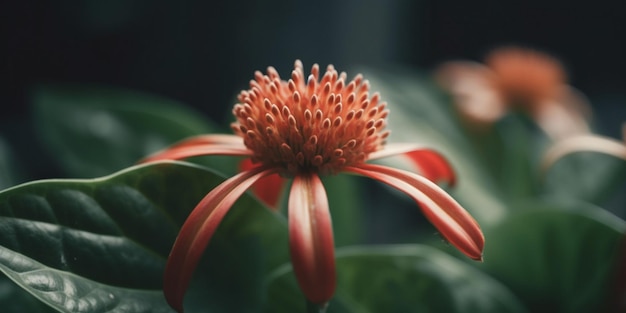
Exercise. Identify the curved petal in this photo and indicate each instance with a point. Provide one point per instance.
(224, 139)
(177, 153)
(269, 188)
(476, 96)
(559, 121)
(447, 215)
(429, 163)
(581, 143)
(311, 239)
(198, 230)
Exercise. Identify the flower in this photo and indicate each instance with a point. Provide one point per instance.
(303, 129)
(516, 79)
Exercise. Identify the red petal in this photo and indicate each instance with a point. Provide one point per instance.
(447, 215)
(222, 139)
(429, 163)
(269, 188)
(182, 152)
(311, 239)
(198, 230)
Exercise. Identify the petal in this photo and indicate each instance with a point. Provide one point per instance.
(592, 143)
(311, 239)
(182, 152)
(210, 139)
(429, 163)
(269, 188)
(561, 118)
(476, 96)
(447, 215)
(198, 230)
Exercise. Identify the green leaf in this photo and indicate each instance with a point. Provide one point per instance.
(14, 299)
(103, 242)
(511, 152)
(94, 131)
(400, 278)
(346, 207)
(8, 166)
(557, 257)
(588, 176)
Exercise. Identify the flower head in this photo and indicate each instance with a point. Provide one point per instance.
(300, 130)
(310, 125)
(520, 79)
(525, 76)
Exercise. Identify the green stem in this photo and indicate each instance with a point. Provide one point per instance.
(316, 308)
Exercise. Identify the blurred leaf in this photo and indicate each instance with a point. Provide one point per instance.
(403, 279)
(587, 176)
(421, 113)
(557, 257)
(102, 243)
(346, 207)
(8, 166)
(94, 131)
(511, 155)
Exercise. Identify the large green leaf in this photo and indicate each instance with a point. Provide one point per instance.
(589, 176)
(102, 243)
(557, 257)
(14, 299)
(94, 131)
(400, 278)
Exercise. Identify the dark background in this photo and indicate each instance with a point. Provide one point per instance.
(203, 52)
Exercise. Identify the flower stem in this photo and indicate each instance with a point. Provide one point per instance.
(316, 308)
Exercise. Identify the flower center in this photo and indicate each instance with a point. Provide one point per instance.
(315, 125)
(525, 75)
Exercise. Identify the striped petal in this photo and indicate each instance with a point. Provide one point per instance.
(198, 229)
(268, 189)
(222, 139)
(182, 152)
(453, 222)
(311, 239)
(428, 162)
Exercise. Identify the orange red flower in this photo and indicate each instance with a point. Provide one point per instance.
(516, 79)
(301, 129)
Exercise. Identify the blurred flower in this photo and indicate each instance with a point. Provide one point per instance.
(301, 129)
(516, 79)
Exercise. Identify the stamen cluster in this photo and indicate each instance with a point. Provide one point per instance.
(317, 125)
(525, 75)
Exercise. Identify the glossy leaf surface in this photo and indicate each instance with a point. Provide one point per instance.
(557, 257)
(400, 278)
(94, 131)
(102, 243)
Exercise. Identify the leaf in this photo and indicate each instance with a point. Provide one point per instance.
(557, 257)
(590, 177)
(69, 241)
(94, 131)
(14, 299)
(8, 166)
(346, 208)
(70, 293)
(400, 278)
